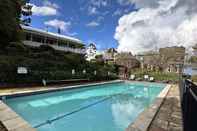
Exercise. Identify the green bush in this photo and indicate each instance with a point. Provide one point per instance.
(43, 48)
(49, 64)
(16, 48)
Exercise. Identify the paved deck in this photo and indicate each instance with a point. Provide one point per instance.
(169, 117)
(2, 128)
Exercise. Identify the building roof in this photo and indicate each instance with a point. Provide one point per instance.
(54, 35)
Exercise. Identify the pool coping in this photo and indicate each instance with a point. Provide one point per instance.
(144, 119)
(53, 89)
(14, 122)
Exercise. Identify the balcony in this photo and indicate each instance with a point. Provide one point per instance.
(56, 47)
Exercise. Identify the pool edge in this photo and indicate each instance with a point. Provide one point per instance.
(12, 121)
(53, 89)
(145, 118)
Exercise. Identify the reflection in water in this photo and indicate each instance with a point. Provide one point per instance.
(126, 108)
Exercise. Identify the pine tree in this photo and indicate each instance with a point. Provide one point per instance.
(10, 14)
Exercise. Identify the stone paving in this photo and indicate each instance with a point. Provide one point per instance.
(169, 117)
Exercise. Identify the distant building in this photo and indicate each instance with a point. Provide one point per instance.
(126, 61)
(168, 59)
(91, 52)
(36, 37)
(172, 58)
(109, 55)
(150, 61)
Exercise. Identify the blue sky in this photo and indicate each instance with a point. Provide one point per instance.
(88, 20)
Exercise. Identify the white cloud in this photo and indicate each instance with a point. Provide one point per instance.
(118, 12)
(93, 24)
(158, 23)
(72, 34)
(49, 4)
(92, 10)
(140, 3)
(93, 6)
(64, 26)
(48, 9)
(99, 3)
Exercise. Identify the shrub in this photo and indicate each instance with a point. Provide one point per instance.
(16, 48)
(43, 48)
(49, 64)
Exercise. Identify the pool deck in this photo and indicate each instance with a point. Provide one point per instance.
(169, 117)
(163, 115)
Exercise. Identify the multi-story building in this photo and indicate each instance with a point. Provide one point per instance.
(172, 58)
(169, 59)
(37, 37)
(149, 61)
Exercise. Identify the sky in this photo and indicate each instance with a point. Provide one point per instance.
(92, 21)
(129, 25)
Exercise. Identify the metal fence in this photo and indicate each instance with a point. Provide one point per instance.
(189, 105)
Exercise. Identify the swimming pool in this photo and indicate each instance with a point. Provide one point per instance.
(107, 107)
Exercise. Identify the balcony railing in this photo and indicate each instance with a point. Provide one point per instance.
(56, 47)
(189, 105)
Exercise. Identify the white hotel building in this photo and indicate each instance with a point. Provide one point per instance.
(36, 37)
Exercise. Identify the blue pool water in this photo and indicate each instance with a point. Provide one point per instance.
(109, 107)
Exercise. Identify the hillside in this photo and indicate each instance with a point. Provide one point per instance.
(46, 63)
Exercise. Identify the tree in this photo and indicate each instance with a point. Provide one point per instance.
(10, 13)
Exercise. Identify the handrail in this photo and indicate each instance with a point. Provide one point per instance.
(189, 85)
(193, 94)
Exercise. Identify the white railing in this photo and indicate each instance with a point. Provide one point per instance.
(56, 47)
